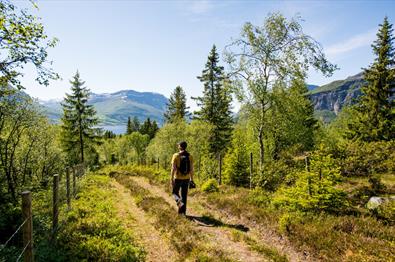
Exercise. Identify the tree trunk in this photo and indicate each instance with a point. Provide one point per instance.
(81, 141)
(261, 148)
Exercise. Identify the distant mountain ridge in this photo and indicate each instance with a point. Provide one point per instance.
(329, 99)
(115, 108)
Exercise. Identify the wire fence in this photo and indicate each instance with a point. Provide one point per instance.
(64, 189)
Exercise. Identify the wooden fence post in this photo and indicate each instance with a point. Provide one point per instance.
(220, 169)
(307, 162)
(251, 169)
(55, 207)
(199, 166)
(68, 188)
(74, 183)
(28, 226)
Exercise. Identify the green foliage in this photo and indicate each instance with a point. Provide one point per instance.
(79, 134)
(376, 116)
(215, 104)
(236, 162)
(23, 41)
(314, 190)
(364, 158)
(149, 128)
(29, 152)
(176, 107)
(210, 185)
(259, 67)
(386, 212)
(93, 230)
(132, 125)
(164, 145)
(259, 197)
(273, 175)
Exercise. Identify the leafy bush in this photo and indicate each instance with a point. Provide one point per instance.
(367, 158)
(236, 162)
(210, 185)
(93, 231)
(386, 212)
(314, 190)
(272, 176)
(259, 197)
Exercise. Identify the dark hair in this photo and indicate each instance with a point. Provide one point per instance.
(183, 145)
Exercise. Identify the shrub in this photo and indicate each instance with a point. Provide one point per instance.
(272, 176)
(259, 197)
(376, 185)
(210, 185)
(314, 190)
(386, 212)
(367, 158)
(93, 231)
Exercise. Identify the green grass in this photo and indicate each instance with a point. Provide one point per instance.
(266, 251)
(188, 242)
(93, 231)
(325, 236)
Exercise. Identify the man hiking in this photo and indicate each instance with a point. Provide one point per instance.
(181, 176)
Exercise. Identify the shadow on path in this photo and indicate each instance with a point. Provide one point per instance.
(209, 221)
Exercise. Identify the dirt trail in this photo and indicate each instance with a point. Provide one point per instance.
(133, 217)
(257, 232)
(221, 237)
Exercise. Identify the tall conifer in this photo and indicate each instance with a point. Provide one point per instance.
(177, 107)
(78, 121)
(129, 126)
(215, 104)
(376, 116)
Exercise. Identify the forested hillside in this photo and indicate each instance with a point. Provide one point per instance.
(273, 184)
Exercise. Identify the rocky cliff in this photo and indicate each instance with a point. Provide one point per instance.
(335, 95)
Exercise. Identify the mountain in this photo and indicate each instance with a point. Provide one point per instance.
(311, 87)
(329, 99)
(115, 108)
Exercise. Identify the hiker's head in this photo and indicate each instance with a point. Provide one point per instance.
(182, 145)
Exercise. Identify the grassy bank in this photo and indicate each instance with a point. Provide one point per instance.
(322, 235)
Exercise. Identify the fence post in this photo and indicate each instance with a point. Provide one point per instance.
(68, 188)
(158, 163)
(55, 207)
(307, 162)
(220, 169)
(199, 165)
(28, 226)
(251, 169)
(74, 183)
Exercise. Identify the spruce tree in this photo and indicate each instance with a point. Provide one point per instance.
(376, 116)
(215, 104)
(149, 128)
(135, 124)
(129, 126)
(176, 107)
(78, 121)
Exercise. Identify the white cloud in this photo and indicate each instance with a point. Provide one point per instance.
(352, 43)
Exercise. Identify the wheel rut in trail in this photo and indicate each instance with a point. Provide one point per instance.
(133, 217)
(219, 236)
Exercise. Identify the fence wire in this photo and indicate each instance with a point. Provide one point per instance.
(23, 251)
(14, 234)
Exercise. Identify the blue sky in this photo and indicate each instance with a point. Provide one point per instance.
(157, 45)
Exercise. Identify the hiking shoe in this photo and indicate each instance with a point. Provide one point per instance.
(179, 203)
